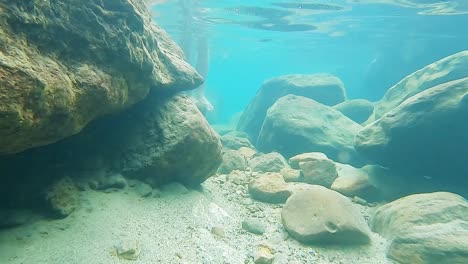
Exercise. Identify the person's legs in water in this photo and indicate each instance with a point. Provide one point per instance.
(202, 66)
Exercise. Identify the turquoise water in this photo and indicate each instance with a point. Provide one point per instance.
(369, 45)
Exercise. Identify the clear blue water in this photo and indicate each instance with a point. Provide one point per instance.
(368, 44)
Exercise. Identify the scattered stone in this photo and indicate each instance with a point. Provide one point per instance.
(425, 228)
(269, 188)
(232, 160)
(104, 182)
(263, 255)
(319, 171)
(354, 182)
(128, 249)
(248, 153)
(253, 226)
(271, 162)
(238, 177)
(62, 198)
(358, 110)
(218, 231)
(292, 175)
(290, 129)
(304, 157)
(324, 88)
(322, 216)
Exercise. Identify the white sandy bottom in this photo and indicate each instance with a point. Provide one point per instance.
(175, 228)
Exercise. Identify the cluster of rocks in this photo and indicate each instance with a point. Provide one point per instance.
(324, 151)
(94, 98)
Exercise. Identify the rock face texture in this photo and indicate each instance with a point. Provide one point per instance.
(324, 88)
(358, 110)
(447, 69)
(424, 135)
(172, 141)
(296, 124)
(66, 64)
(318, 215)
(425, 228)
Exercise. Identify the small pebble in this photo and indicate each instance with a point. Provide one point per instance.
(253, 226)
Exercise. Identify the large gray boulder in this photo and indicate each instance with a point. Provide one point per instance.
(425, 135)
(447, 69)
(428, 228)
(324, 88)
(296, 124)
(64, 64)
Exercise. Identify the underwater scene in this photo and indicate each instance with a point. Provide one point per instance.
(233, 132)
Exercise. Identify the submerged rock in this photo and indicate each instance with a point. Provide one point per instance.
(128, 250)
(318, 215)
(353, 182)
(232, 160)
(426, 228)
(445, 70)
(424, 136)
(65, 66)
(358, 110)
(316, 168)
(62, 198)
(269, 188)
(323, 88)
(270, 162)
(168, 140)
(235, 141)
(253, 226)
(103, 182)
(295, 125)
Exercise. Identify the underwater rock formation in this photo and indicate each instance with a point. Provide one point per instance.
(358, 110)
(66, 64)
(291, 129)
(425, 228)
(318, 215)
(424, 136)
(447, 69)
(165, 139)
(323, 88)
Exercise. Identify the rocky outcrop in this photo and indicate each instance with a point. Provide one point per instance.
(318, 215)
(159, 140)
(358, 110)
(425, 228)
(295, 125)
(423, 136)
(166, 139)
(447, 69)
(66, 64)
(324, 88)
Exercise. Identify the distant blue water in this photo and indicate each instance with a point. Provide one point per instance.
(369, 46)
